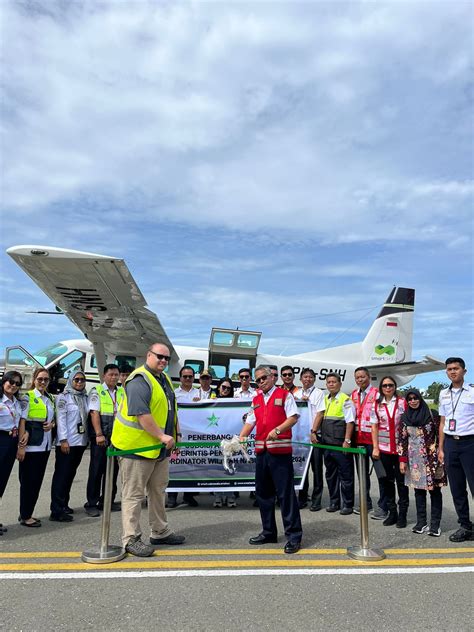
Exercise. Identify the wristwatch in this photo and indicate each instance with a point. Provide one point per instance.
(277, 432)
(347, 441)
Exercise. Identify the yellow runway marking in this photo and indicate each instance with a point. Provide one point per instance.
(175, 552)
(288, 563)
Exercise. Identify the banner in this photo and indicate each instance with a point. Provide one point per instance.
(202, 469)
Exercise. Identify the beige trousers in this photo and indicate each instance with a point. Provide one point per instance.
(142, 477)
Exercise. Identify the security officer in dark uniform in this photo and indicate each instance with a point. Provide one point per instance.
(456, 443)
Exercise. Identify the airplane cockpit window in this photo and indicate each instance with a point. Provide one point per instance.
(50, 354)
(248, 341)
(197, 365)
(60, 372)
(122, 360)
(223, 338)
(218, 371)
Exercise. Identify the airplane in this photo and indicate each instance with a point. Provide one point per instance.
(99, 295)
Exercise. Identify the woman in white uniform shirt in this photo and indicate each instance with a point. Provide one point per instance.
(39, 414)
(10, 415)
(72, 410)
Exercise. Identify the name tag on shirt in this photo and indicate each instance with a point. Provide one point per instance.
(278, 402)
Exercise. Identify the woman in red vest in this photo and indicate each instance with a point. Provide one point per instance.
(385, 419)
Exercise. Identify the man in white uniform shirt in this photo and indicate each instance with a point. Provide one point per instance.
(316, 407)
(245, 391)
(205, 391)
(456, 443)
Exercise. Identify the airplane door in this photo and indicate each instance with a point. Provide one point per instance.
(18, 359)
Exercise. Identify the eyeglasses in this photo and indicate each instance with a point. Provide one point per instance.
(14, 383)
(187, 377)
(44, 380)
(259, 380)
(413, 399)
(388, 385)
(160, 356)
(79, 380)
(287, 375)
(244, 377)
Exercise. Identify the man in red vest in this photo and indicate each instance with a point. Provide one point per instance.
(274, 413)
(363, 399)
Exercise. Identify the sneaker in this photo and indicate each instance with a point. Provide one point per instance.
(170, 539)
(461, 535)
(379, 514)
(420, 528)
(356, 509)
(231, 502)
(136, 546)
(434, 533)
(218, 503)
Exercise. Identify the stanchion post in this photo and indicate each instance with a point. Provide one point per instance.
(364, 553)
(106, 553)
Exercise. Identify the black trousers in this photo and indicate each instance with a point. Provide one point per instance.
(8, 449)
(394, 477)
(436, 507)
(316, 465)
(31, 473)
(382, 502)
(340, 478)
(65, 468)
(274, 476)
(96, 479)
(459, 463)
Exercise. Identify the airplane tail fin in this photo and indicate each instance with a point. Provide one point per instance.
(390, 338)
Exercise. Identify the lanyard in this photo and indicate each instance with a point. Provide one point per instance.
(453, 405)
(114, 400)
(14, 417)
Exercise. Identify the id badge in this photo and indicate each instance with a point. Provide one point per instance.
(80, 428)
(14, 432)
(452, 425)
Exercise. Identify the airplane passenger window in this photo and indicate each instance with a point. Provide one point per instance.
(248, 341)
(120, 360)
(218, 371)
(223, 338)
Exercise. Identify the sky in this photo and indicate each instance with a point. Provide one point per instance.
(269, 165)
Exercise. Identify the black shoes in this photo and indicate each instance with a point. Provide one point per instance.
(346, 511)
(391, 519)
(170, 539)
(171, 504)
(191, 502)
(93, 512)
(263, 539)
(332, 508)
(402, 521)
(292, 547)
(62, 517)
(462, 535)
(315, 506)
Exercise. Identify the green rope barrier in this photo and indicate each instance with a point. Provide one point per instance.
(217, 444)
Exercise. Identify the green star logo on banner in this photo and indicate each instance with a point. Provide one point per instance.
(212, 420)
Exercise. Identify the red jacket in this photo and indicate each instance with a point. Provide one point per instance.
(269, 416)
(363, 425)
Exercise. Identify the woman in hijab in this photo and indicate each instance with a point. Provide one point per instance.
(72, 412)
(417, 445)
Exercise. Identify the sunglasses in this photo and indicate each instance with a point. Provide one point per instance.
(160, 356)
(287, 375)
(225, 388)
(79, 380)
(244, 377)
(44, 380)
(187, 377)
(413, 399)
(259, 380)
(14, 383)
(388, 385)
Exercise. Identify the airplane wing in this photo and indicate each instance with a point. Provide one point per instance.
(98, 294)
(408, 369)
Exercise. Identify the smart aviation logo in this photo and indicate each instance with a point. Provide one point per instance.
(380, 350)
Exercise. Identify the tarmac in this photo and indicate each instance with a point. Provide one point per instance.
(217, 581)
